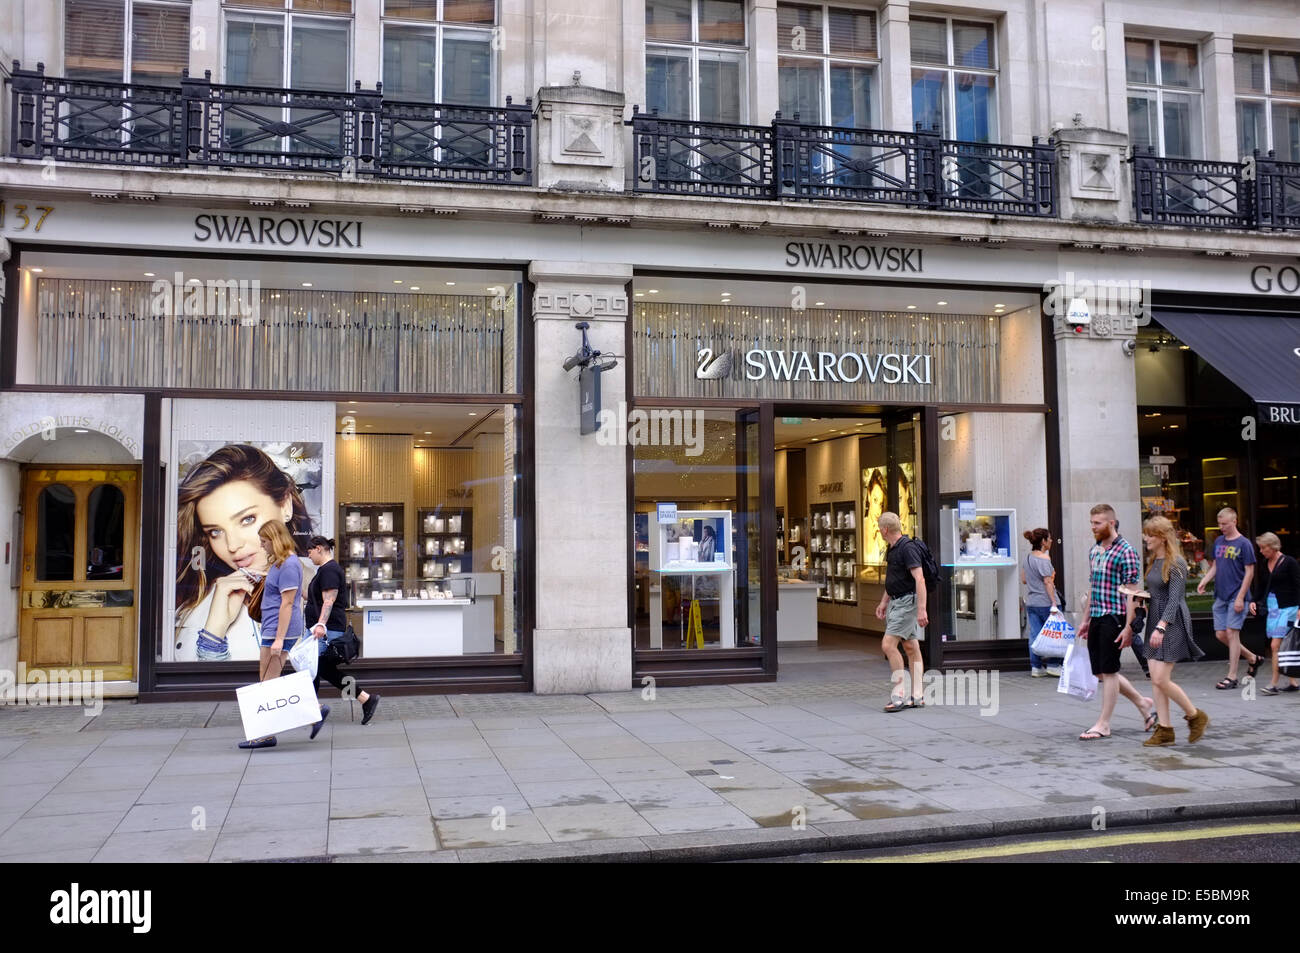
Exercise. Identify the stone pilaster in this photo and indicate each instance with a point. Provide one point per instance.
(1094, 183)
(580, 140)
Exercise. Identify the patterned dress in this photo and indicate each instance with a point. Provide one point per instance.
(1169, 604)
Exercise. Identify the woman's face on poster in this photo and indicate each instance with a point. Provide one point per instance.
(230, 516)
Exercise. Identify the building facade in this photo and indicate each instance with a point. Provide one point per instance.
(348, 263)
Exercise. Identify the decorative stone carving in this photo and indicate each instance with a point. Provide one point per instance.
(581, 304)
(580, 138)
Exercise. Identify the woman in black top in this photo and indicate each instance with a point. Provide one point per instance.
(327, 601)
(1277, 585)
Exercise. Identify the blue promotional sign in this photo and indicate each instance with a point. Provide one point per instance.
(589, 400)
(667, 512)
(965, 509)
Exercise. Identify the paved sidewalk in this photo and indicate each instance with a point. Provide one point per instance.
(806, 763)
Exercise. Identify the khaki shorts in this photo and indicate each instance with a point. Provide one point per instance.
(900, 617)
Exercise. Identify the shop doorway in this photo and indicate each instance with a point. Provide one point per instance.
(79, 566)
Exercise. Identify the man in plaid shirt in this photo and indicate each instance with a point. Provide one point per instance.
(1113, 563)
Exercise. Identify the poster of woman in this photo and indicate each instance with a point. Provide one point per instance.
(225, 493)
(874, 497)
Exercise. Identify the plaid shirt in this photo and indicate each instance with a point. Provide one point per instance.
(1111, 568)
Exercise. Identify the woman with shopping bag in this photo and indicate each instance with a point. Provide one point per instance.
(1169, 629)
(1039, 577)
(282, 621)
(1278, 587)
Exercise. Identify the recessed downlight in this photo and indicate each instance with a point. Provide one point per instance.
(941, 304)
(306, 284)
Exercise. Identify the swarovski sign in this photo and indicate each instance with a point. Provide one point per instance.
(847, 367)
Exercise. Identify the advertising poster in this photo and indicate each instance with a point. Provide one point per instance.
(875, 495)
(225, 493)
(905, 493)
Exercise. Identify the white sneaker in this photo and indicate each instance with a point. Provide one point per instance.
(1037, 673)
(1054, 671)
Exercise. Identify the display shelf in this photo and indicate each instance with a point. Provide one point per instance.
(446, 548)
(371, 545)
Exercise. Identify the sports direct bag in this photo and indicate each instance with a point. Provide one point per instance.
(1055, 637)
(1288, 653)
(1076, 673)
(277, 705)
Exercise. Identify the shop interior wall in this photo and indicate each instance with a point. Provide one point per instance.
(10, 500)
(25, 365)
(1161, 377)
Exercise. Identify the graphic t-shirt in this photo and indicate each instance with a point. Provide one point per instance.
(1231, 557)
(280, 579)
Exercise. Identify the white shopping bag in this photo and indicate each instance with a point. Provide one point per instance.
(305, 655)
(277, 705)
(1076, 673)
(1055, 637)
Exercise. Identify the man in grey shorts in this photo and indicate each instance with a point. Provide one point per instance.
(1232, 573)
(903, 609)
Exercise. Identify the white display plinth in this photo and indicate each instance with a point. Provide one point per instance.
(796, 613)
(691, 572)
(406, 628)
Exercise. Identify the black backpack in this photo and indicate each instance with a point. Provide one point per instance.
(929, 567)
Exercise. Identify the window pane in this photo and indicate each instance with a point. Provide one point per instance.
(409, 64)
(720, 88)
(320, 55)
(56, 523)
(254, 53)
(160, 44)
(799, 29)
(851, 96)
(1284, 70)
(668, 84)
(930, 100)
(1248, 70)
(1182, 126)
(1286, 132)
(853, 32)
(668, 20)
(1142, 129)
(469, 11)
(324, 6)
(800, 83)
(1178, 66)
(273, 4)
(105, 525)
(94, 36)
(722, 21)
(1140, 55)
(412, 9)
(972, 44)
(976, 108)
(1251, 131)
(467, 70)
(929, 40)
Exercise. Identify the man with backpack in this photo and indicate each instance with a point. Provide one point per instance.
(903, 607)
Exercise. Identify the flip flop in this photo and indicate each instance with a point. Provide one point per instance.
(897, 704)
(1092, 736)
(1226, 684)
(1151, 720)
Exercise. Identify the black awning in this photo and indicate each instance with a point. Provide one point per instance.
(1258, 353)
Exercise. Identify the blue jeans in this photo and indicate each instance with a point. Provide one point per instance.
(1037, 616)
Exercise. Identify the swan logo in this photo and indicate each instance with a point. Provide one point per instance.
(709, 367)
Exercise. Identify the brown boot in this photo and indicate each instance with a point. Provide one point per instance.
(1196, 724)
(1161, 736)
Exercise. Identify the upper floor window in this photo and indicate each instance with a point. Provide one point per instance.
(1164, 97)
(289, 48)
(1268, 102)
(126, 41)
(954, 78)
(826, 65)
(439, 51)
(695, 59)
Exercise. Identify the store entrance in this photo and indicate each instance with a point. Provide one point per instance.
(834, 477)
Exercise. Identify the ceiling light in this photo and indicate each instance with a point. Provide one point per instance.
(999, 306)
(79, 430)
(306, 284)
(397, 281)
(654, 291)
(1184, 347)
(640, 294)
(941, 303)
(450, 284)
(911, 307)
(473, 413)
(428, 431)
(148, 274)
(415, 287)
(818, 304)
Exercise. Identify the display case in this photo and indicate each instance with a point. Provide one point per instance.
(833, 550)
(371, 542)
(446, 547)
(415, 618)
(690, 564)
(983, 560)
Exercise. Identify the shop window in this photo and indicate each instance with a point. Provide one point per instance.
(1164, 97)
(105, 528)
(1268, 102)
(56, 514)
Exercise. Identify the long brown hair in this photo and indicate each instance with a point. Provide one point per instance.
(275, 533)
(226, 465)
(1160, 526)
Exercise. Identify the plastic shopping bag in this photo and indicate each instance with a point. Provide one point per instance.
(305, 655)
(1055, 637)
(1076, 673)
(1288, 653)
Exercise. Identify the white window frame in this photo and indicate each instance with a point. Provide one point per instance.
(287, 17)
(128, 8)
(1198, 91)
(951, 85)
(1268, 97)
(694, 47)
(440, 29)
(826, 58)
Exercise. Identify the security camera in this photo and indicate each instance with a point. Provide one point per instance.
(1130, 347)
(584, 355)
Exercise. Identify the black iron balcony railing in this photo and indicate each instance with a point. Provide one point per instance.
(201, 123)
(1198, 192)
(1277, 191)
(790, 159)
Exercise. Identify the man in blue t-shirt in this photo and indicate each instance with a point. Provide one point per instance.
(1232, 572)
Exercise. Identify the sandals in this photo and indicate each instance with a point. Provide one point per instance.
(1270, 690)
(898, 704)
(1253, 667)
(916, 703)
(1227, 684)
(1092, 735)
(1151, 720)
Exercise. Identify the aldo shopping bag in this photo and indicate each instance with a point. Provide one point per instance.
(1076, 673)
(278, 705)
(1288, 653)
(1054, 637)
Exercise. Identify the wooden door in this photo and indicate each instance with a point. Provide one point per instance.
(80, 554)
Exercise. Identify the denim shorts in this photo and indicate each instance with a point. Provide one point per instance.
(1225, 617)
(289, 642)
